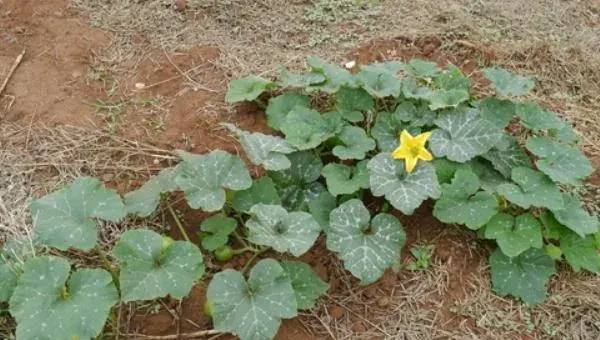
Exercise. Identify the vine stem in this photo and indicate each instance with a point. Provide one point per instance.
(240, 239)
(109, 266)
(178, 222)
(174, 336)
(254, 256)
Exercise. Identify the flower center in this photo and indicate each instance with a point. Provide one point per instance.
(415, 151)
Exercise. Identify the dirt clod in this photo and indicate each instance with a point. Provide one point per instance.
(336, 312)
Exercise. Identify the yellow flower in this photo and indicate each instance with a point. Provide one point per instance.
(412, 149)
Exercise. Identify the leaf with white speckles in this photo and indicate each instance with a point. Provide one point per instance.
(252, 310)
(497, 111)
(524, 276)
(367, 246)
(306, 128)
(462, 202)
(574, 217)
(144, 200)
(48, 307)
(386, 131)
(203, 178)
(507, 155)
(563, 163)
(414, 114)
(307, 285)
(344, 179)
(66, 218)
(462, 135)
(355, 143)
(442, 99)
(378, 81)
(422, 69)
(12, 257)
(320, 208)
(507, 83)
(537, 119)
(351, 103)
(263, 190)
(216, 230)
(581, 252)
(247, 89)
(273, 226)
(279, 107)
(515, 234)
(405, 191)
(335, 76)
(533, 188)
(150, 270)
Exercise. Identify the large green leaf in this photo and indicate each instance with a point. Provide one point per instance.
(320, 208)
(421, 68)
(574, 217)
(252, 310)
(535, 118)
(507, 83)
(305, 128)
(515, 235)
(12, 257)
(507, 155)
(289, 79)
(462, 202)
(497, 111)
(462, 135)
(266, 150)
(216, 230)
(443, 99)
(379, 82)
(563, 163)
(386, 131)
(48, 305)
(298, 185)
(489, 177)
(355, 143)
(351, 103)
(336, 77)
(66, 218)
(414, 90)
(405, 191)
(580, 252)
(533, 188)
(452, 78)
(144, 201)
(8, 281)
(564, 133)
(151, 269)
(446, 169)
(524, 276)
(273, 226)
(367, 247)
(279, 107)
(344, 179)
(308, 287)
(247, 89)
(204, 178)
(263, 190)
(416, 115)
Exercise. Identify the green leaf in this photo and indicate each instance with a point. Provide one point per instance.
(350, 103)
(490, 178)
(320, 208)
(280, 107)
(564, 133)
(144, 201)
(273, 226)
(446, 169)
(404, 191)
(442, 99)
(355, 143)
(552, 228)
(298, 185)
(252, 310)
(13, 255)
(150, 271)
(462, 135)
(266, 150)
(533, 189)
(515, 235)
(343, 179)
(306, 129)
(537, 119)
(411, 89)
(217, 229)
(263, 190)
(336, 77)
(421, 69)
(574, 217)
(581, 252)
(386, 131)
(507, 155)
(563, 163)
(289, 79)
(247, 89)
(204, 178)
(48, 305)
(378, 82)
(66, 218)
(497, 111)
(308, 287)
(8, 281)
(553, 251)
(367, 247)
(417, 115)
(462, 202)
(507, 83)
(452, 78)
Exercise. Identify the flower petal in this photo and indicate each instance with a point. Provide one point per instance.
(425, 155)
(410, 163)
(400, 152)
(422, 138)
(406, 139)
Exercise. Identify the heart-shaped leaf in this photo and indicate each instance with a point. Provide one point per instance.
(344, 179)
(507, 83)
(533, 189)
(386, 131)
(412, 89)
(216, 231)
(247, 89)
(273, 226)
(515, 235)
(580, 252)
(144, 201)
(490, 178)
(279, 107)
(452, 78)
(266, 150)
(379, 82)
(405, 191)
(320, 208)
(48, 305)
(203, 178)
(263, 190)
(507, 155)
(497, 111)
(351, 103)
(442, 99)
(308, 287)
(564, 133)
(574, 217)
(462, 135)
(563, 163)
(66, 218)
(336, 77)
(289, 79)
(252, 310)
(416, 115)
(367, 247)
(462, 202)
(298, 185)
(150, 270)
(421, 69)
(524, 276)
(537, 119)
(12, 257)
(306, 129)
(446, 169)
(355, 143)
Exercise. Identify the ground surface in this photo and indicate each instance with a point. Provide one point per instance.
(109, 88)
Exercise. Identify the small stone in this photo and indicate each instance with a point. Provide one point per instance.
(336, 312)
(75, 74)
(140, 86)
(350, 65)
(359, 327)
(383, 301)
(156, 161)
